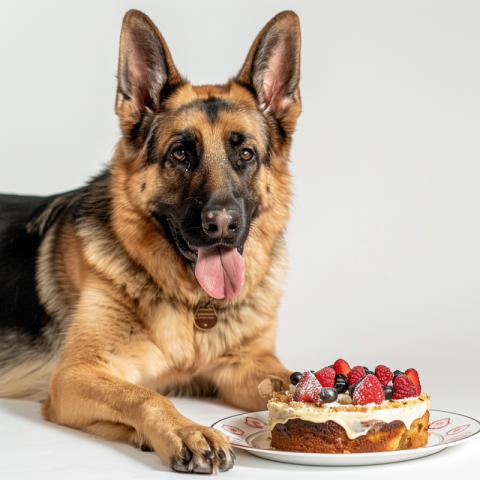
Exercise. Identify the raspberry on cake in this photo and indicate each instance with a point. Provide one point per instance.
(384, 374)
(326, 376)
(355, 374)
(368, 391)
(403, 387)
(355, 411)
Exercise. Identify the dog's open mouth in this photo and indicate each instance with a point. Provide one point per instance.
(220, 270)
(187, 250)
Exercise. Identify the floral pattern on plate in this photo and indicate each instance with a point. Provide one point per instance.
(234, 430)
(255, 422)
(456, 430)
(439, 424)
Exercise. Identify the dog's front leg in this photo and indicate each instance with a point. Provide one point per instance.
(88, 392)
(91, 399)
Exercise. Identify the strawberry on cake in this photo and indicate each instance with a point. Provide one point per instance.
(340, 409)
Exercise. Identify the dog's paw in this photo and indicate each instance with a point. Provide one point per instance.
(272, 383)
(203, 450)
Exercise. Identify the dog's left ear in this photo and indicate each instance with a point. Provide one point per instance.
(146, 72)
(272, 67)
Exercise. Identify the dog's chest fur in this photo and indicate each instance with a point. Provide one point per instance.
(167, 350)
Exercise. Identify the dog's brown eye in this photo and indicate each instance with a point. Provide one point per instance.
(179, 154)
(246, 154)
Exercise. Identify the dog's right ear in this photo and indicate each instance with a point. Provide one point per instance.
(146, 72)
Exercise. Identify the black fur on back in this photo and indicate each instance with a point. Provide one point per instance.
(32, 334)
(20, 309)
(24, 223)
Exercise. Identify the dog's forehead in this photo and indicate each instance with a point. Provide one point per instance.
(215, 114)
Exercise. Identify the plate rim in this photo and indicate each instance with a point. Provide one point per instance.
(439, 447)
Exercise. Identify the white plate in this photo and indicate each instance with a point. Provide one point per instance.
(249, 431)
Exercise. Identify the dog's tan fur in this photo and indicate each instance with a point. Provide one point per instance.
(127, 300)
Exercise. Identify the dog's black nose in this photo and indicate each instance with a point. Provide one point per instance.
(221, 223)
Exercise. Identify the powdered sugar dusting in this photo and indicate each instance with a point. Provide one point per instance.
(308, 389)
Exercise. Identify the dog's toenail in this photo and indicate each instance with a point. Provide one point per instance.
(232, 454)
(221, 455)
(208, 454)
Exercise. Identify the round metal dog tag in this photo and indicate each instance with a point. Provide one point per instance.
(206, 317)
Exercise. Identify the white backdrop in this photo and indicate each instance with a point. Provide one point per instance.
(384, 234)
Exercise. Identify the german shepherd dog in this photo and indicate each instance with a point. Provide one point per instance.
(100, 286)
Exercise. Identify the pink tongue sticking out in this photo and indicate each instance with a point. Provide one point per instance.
(220, 271)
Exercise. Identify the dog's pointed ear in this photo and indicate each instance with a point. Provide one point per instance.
(272, 67)
(145, 71)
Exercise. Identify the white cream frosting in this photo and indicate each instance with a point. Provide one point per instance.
(356, 423)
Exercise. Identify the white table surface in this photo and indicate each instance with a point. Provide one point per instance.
(31, 448)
